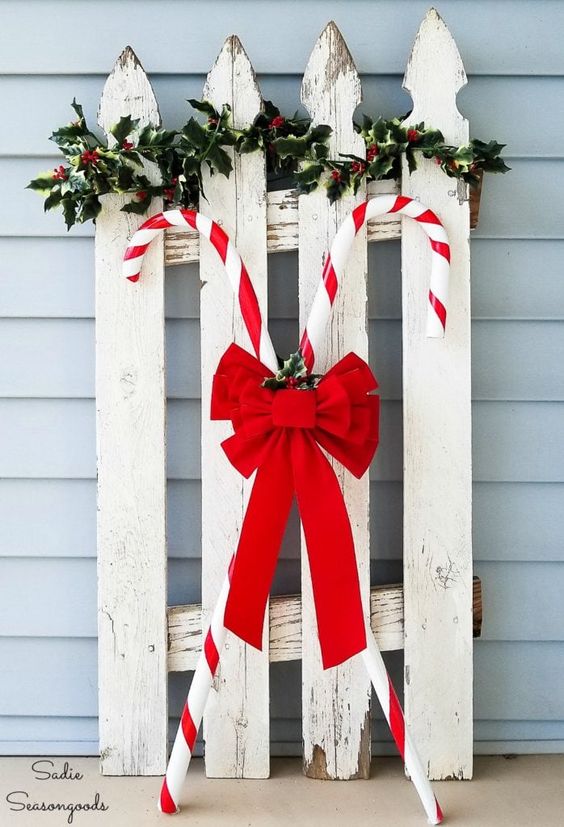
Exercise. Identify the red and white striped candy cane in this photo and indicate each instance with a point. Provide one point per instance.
(200, 687)
(215, 637)
(393, 713)
(314, 333)
(195, 704)
(234, 267)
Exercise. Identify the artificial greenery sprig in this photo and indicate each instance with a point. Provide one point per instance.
(293, 148)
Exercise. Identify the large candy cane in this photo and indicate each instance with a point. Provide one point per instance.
(215, 637)
(234, 267)
(314, 333)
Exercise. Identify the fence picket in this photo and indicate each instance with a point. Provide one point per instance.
(236, 723)
(130, 418)
(437, 437)
(336, 703)
(130, 389)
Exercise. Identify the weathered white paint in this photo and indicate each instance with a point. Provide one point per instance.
(282, 226)
(437, 438)
(236, 723)
(285, 623)
(130, 407)
(335, 703)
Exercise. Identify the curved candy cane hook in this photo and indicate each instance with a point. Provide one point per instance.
(232, 261)
(312, 338)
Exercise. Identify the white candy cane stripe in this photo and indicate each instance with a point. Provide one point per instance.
(394, 715)
(193, 711)
(236, 270)
(314, 332)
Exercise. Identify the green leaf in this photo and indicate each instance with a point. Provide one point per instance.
(309, 174)
(195, 134)
(44, 182)
(204, 106)
(53, 200)
(123, 128)
(290, 146)
(219, 160)
(77, 108)
(320, 133)
(69, 211)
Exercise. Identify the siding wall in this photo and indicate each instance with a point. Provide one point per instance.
(515, 60)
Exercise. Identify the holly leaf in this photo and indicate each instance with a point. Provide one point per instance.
(44, 182)
(270, 111)
(53, 200)
(218, 159)
(69, 211)
(78, 109)
(204, 106)
(309, 174)
(123, 128)
(140, 205)
(195, 133)
(319, 133)
(89, 209)
(291, 147)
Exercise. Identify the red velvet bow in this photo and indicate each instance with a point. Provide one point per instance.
(280, 433)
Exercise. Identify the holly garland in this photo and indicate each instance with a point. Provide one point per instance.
(293, 149)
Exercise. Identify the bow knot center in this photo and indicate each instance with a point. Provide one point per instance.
(292, 408)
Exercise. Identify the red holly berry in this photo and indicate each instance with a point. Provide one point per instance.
(336, 175)
(292, 382)
(169, 193)
(127, 145)
(141, 195)
(173, 182)
(438, 160)
(90, 156)
(358, 166)
(412, 135)
(276, 122)
(59, 174)
(372, 152)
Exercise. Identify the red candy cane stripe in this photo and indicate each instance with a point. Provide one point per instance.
(394, 716)
(333, 270)
(236, 270)
(183, 747)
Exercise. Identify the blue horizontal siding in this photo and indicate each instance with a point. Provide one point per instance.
(379, 35)
(488, 103)
(512, 361)
(55, 438)
(47, 448)
(508, 281)
(68, 607)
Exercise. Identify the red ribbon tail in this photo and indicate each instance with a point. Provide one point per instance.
(331, 554)
(259, 545)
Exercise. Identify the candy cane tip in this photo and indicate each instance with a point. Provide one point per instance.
(133, 278)
(166, 803)
(439, 816)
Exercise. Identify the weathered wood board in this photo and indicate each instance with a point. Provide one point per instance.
(386, 621)
(130, 419)
(236, 722)
(437, 437)
(335, 703)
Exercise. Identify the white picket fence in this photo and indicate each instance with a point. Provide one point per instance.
(140, 640)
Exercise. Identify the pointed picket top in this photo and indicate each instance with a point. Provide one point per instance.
(232, 80)
(331, 75)
(434, 75)
(127, 91)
